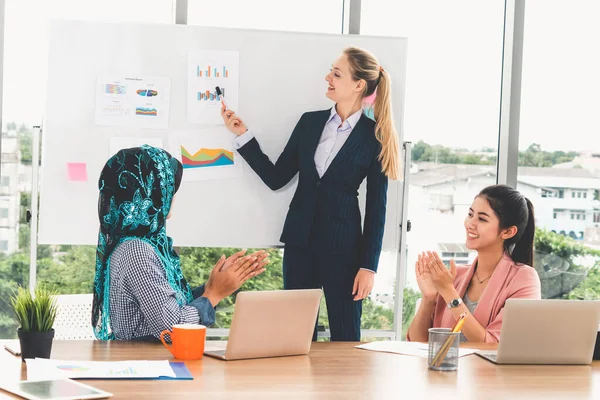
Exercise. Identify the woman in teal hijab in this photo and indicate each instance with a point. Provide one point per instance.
(139, 288)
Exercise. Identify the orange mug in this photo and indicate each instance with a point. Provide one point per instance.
(187, 341)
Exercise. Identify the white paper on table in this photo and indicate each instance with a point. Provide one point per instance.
(407, 348)
(41, 368)
(37, 371)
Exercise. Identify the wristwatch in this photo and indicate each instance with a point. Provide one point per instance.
(455, 303)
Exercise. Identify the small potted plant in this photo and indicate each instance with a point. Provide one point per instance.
(35, 315)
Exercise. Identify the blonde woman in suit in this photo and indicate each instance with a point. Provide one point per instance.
(334, 151)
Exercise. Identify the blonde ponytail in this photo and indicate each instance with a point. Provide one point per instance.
(385, 131)
(365, 66)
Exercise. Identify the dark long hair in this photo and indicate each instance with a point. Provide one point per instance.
(513, 209)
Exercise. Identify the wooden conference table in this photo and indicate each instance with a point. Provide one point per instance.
(330, 371)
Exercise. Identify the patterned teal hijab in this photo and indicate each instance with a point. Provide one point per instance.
(136, 190)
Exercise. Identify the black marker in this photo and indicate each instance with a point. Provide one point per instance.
(221, 95)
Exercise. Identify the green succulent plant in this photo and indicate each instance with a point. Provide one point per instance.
(34, 313)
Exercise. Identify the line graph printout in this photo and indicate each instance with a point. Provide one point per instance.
(206, 154)
(139, 102)
(206, 70)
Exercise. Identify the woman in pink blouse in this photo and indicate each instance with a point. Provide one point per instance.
(500, 227)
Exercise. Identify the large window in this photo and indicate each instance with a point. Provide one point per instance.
(451, 116)
(307, 16)
(14, 242)
(70, 269)
(559, 148)
(25, 44)
(67, 269)
(323, 16)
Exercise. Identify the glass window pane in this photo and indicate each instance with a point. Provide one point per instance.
(198, 262)
(25, 44)
(324, 16)
(68, 269)
(559, 146)
(296, 16)
(451, 113)
(14, 229)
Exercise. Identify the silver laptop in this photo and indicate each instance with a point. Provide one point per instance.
(547, 332)
(270, 324)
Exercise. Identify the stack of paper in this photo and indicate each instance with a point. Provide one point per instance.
(42, 368)
(406, 348)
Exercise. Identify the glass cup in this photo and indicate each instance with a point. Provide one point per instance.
(443, 349)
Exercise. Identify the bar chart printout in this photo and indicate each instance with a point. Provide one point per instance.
(208, 69)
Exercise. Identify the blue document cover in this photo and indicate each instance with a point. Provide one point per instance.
(181, 372)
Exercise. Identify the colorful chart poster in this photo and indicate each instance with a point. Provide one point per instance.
(208, 69)
(206, 154)
(141, 102)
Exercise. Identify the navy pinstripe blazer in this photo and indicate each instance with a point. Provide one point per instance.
(324, 212)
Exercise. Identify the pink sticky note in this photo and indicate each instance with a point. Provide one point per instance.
(77, 172)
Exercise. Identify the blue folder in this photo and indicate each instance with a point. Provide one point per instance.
(181, 374)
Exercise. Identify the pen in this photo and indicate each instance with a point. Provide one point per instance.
(221, 94)
(459, 323)
(14, 352)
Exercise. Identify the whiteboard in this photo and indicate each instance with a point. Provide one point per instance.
(281, 76)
